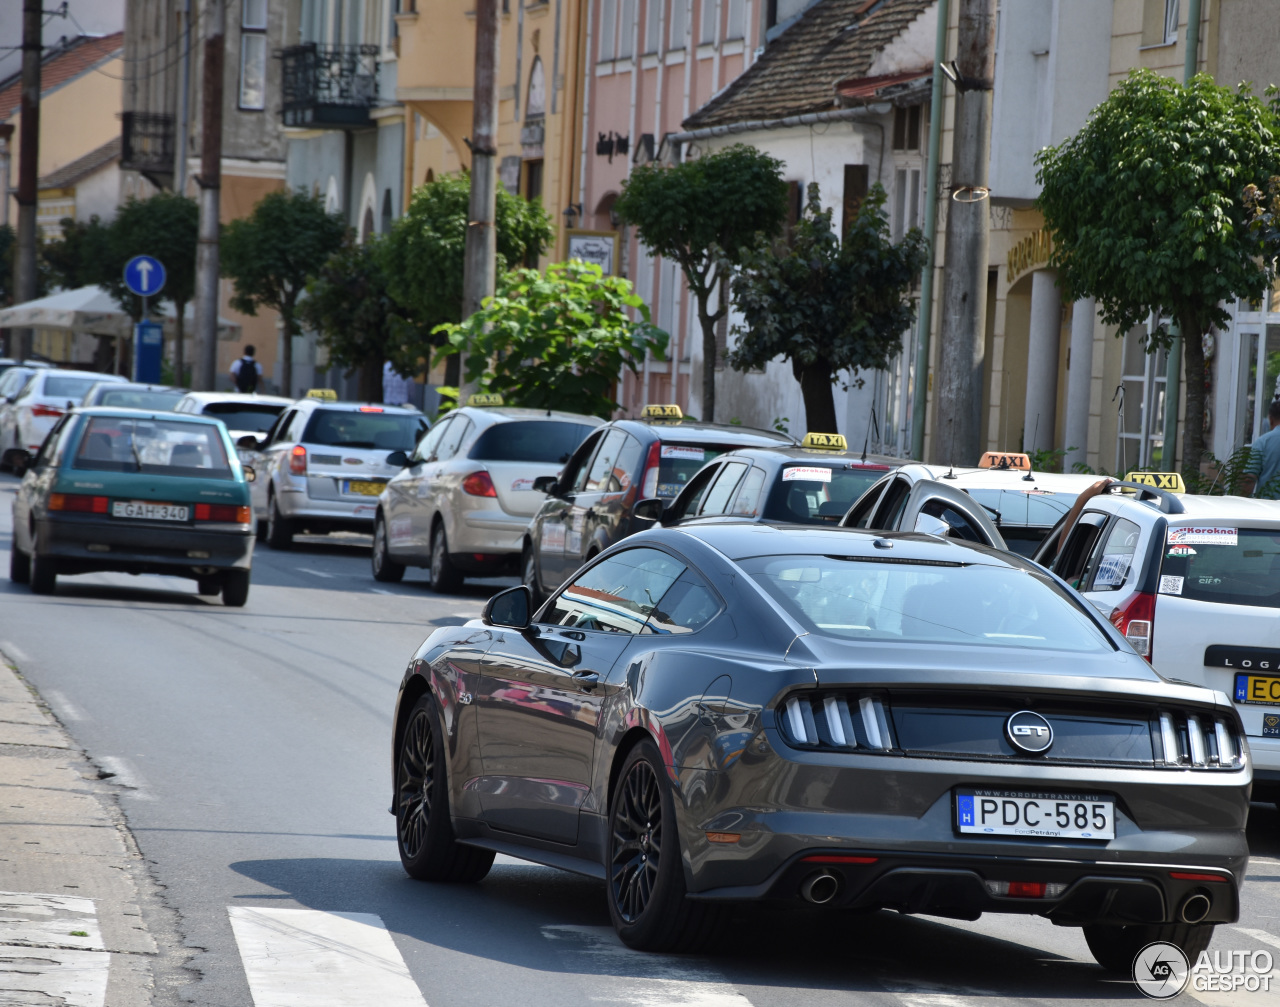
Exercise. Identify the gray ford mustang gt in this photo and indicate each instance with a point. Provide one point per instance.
(854, 719)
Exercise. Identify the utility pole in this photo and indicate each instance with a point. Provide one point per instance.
(479, 272)
(180, 162)
(210, 182)
(25, 277)
(958, 438)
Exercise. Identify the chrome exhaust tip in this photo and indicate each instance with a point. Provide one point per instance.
(822, 887)
(1195, 907)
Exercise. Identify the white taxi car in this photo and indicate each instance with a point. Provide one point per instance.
(1193, 582)
(324, 463)
(463, 502)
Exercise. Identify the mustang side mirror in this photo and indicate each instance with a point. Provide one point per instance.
(650, 509)
(511, 609)
(398, 458)
(248, 442)
(545, 484)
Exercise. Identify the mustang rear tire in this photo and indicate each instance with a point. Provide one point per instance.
(19, 565)
(445, 578)
(235, 588)
(1115, 947)
(385, 569)
(428, 848)
(644, 874)
(279, 527)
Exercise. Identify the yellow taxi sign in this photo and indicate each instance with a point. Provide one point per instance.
(482, 399)
(655, 412)
(1171, 481)
(1005, 460)
(825, 442)
(325, 394)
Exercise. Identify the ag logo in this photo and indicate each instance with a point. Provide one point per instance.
(1160, 970)
(1029, 731)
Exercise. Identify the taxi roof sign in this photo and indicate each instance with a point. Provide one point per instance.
(825, 442)
(484, 399)
(1171, 481)
(1005, 460)
(324, 394)
(657, 412)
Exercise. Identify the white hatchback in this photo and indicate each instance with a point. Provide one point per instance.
(43, 400)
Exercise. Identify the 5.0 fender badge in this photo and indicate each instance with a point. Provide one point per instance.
(1029, 732)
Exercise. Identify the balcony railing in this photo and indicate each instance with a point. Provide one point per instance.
(146, 143)
(330, 87)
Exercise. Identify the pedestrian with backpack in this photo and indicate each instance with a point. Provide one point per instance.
(245, 372)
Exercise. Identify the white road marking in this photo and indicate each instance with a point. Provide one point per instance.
(124, 773)
(315, 573)
(302, 956)
(41, 957)
(619, 975)
(918, 994)
(13, 650)
(1260, 935)
(63, 707)
(379, 590)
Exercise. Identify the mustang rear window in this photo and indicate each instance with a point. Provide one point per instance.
(1236, 566)
(927, 603)
(157, 447)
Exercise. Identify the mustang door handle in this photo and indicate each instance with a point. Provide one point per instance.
(587, 679)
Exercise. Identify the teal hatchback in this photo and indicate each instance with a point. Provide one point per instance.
(135, 491)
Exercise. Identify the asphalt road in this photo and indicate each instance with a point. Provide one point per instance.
(252, 751)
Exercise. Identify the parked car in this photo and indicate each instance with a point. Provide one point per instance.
(463, 501)
(127, 395)
(12, 382)
(8, 362)
(725, 712)
(592, 503)
(47, 395)
(136, 492)
(326, 462)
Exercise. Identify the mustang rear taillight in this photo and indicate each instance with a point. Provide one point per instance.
(649, 481)
(1134, 618)
(1199, 741)
(478, 484)
(298, 460)
(79, 503)
(226, 513)
(835, 721)
(1026, 889)
(39, 410)
(1196, 876)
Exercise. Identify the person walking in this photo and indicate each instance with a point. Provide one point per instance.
(246, 372)
(1262, 474)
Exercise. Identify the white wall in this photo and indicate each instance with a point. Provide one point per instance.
(99, 193)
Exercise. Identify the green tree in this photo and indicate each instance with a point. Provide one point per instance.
(348, 305)
(831, 308)
(557, 341)
(82, 255)
(45, 277)
(272, 253)
(705, 215)
(423, 255)
(1146, 207)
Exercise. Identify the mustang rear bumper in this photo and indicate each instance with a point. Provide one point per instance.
(142, 547)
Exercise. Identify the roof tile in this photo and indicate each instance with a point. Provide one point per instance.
(60, 65)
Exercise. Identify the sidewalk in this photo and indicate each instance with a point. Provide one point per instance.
(73, 888)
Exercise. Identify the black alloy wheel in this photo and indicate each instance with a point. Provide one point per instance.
(1115, 947)
(428, 848)
(445, 577)
(646, 889)
(385, 569)
(279, 528)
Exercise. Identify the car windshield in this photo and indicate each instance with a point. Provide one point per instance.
(530, 441)
(806, 493)
(137, 398)
(1226, 565)
(57, 386)
(158, 447)
(854, 598)
(367, 428)
(256, 417)
(677, 464)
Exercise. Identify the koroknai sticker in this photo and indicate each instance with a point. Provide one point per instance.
(676, 451)
(808, 473)
(1201, 535)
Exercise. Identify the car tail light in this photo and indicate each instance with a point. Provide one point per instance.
(1026, 889)
(298, 460)
(649, 482)
(371, 409)
(1199, 741)
(835, 721)
(478, 484)
(40, 410)
(1134, 618)
(79, 503)
(1196, 876)
(226, 513)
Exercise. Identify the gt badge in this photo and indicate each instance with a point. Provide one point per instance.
(1029, 732)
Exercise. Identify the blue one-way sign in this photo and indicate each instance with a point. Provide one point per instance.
(144, 275)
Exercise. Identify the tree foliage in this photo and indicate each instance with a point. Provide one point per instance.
(572, 322)
(45, 276)
(705, 214)
(272, 253)
(423, 254)
(1146, 207)
(832, 308)
(348, 305)
(83, 255)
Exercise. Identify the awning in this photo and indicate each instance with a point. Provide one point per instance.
(93, 311)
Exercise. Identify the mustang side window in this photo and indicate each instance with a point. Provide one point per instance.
(686, 608)
(617, 594)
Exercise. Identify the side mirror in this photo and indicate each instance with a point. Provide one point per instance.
(650, 509)
(930, 525)
(397, 458)
(545, 484)
(20, 463)
(249, 443)
(250, 475)
(511, 609)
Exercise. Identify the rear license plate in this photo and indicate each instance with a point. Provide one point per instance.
(1035, 814)
(1263, 689)
(361, 488)
(150, 511)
